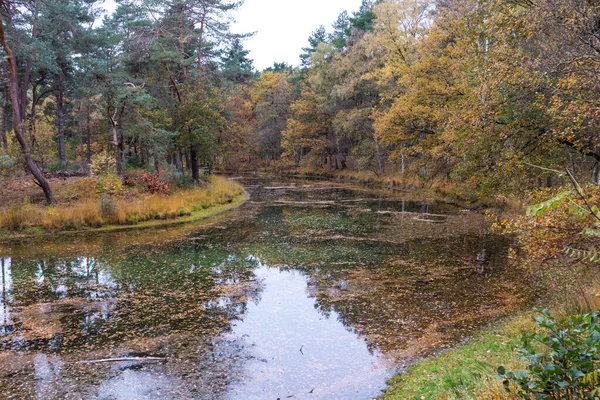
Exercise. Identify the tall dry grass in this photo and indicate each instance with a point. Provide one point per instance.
(96, 211)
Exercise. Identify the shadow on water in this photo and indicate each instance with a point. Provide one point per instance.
(310, 290)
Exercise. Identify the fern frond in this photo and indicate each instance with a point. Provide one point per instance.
(541, 208)
(591, 232)
(592, 378)
(582, 255)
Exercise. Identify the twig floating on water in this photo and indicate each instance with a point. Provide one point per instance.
(109, 360)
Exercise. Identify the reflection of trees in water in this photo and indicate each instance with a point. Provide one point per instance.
(172, 300)
(6, 286)
(144, 293)
(408, 299)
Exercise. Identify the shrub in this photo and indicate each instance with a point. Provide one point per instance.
(103, 164)
(134, 162)
(109, 184)
(54, 168)
(8, 164)
(129, 181)
(169, 173)
(568, 367)
(6, 161)
(153, 184)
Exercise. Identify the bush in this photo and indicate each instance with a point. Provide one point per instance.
(568, 367)
(103, 164)
(110, 184)
(6, 161)
(8, 164)
(54, 168)
(153, 184)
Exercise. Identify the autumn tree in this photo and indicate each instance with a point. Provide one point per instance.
(14, 92)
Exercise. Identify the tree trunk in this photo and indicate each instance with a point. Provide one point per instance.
(403, 165)
(195, 167)
(23, 99)
(39, 178)
(596, 173)
(378, 156)
(32, 119)
(4, 119)
(115, 120)
(119, 162)
(188, 162)
(178, 161)
(60, 117)
(89, 136)
(82, 163)
(22, 102)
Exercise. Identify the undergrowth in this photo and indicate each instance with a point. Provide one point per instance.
(82, 207)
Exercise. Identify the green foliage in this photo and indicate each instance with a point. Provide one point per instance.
(563, 360)
(317, 37)
(109, 184)
(537, 210)
(6, 161)
(583, 255)
(236, 65)
(103, 164)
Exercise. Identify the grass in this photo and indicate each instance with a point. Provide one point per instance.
(468, 371)
(82, 208)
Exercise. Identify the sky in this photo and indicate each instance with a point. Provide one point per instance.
(282, 26)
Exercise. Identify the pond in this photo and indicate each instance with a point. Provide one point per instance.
(310, 290)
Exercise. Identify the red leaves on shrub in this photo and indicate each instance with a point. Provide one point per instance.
(152, 184)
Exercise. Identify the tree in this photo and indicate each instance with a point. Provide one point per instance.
(363, 19)
(342, 29)
(235, 64)
(318, 36)
(60, 24)
(271, 97)
(39, 178)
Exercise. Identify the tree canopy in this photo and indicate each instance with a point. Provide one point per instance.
(459, 92)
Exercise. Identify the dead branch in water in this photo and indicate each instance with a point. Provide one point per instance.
(109, 360)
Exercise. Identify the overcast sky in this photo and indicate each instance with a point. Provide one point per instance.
(282, 26)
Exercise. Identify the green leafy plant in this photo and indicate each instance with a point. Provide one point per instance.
(110, 184)
(563, 359)
(6, 161)
(103, 164)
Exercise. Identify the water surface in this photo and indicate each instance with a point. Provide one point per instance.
(311, 290)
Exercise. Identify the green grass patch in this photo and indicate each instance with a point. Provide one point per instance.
(468, 371)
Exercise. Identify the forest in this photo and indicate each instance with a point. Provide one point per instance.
(461, 93)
